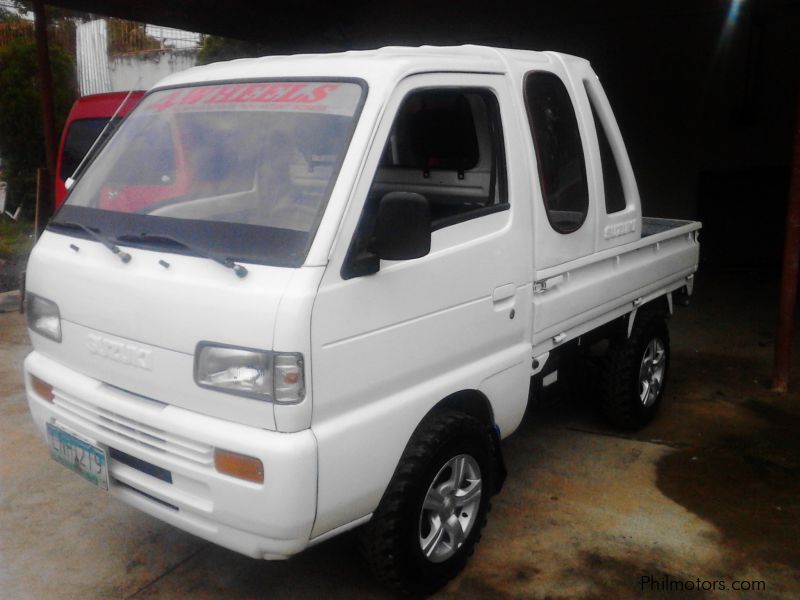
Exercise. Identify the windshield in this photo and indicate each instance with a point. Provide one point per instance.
(244, 169)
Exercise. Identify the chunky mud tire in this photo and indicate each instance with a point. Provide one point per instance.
(634, 373)
(431, 515)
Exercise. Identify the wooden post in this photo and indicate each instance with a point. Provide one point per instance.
(44, 202)
(791, 259)
(44, 194)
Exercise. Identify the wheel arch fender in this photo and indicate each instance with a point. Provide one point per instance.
(660, 307)
(477, 405)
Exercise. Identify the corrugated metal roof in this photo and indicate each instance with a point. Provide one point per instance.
(92, 56)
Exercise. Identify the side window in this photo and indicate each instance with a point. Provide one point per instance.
(435, 129)
(559, 154)
(612, 184)
(447, 145)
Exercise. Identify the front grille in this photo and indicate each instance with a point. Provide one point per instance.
(145, 494)
(140, 465)
(134, 431)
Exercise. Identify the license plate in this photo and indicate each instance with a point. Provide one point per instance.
(83, 456)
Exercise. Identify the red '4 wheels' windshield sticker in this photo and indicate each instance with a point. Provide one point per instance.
(328, 98)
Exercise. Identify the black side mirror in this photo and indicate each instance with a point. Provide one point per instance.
(402, 226)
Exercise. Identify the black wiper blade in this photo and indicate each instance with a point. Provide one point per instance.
(225, 261)
(97, 235)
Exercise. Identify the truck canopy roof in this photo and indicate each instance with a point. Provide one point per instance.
(373, 66)
(103, 105)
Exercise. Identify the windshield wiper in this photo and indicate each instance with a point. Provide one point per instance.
(225, 261)
(97, 235)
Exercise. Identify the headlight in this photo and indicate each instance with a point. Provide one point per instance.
(260, 374)
(43, 316)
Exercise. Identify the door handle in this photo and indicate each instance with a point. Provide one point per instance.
(503, 292)
(539, 287)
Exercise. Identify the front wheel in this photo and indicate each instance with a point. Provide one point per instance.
(432, 513)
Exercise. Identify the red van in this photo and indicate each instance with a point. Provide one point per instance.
(88, 117)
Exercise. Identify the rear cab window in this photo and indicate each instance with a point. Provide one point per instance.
(612, 182)
(559, 151)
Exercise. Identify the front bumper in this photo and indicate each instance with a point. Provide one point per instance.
(269, 520)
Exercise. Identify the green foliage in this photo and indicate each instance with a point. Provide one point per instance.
(21, 136)
(7, 16)
(216, 48)
(127, 36)
(15, 237)
(54, 13)
(10, 13)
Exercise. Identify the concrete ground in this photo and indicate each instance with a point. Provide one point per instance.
(709, 491)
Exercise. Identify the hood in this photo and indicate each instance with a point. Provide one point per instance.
(136, 325)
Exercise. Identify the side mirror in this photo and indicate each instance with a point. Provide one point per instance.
(402, 226)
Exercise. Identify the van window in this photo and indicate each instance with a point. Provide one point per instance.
(81, 134)
(612, 184)
(559, 153)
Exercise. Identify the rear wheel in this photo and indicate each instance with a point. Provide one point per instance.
(634, 374)
(432, 513)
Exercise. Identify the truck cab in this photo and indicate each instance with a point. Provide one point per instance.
(298, 295)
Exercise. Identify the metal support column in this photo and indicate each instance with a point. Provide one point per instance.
(44, 207)
(789, 275)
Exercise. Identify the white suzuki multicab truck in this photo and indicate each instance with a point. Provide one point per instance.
(296, 295)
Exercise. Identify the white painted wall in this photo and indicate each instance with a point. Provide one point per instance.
(99, 73)
(141, 71)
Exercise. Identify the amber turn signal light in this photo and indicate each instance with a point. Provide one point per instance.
(42, 388)
(238, 465)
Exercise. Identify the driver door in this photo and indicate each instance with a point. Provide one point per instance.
(388, 345)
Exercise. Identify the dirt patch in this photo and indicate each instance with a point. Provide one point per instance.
(611, 576)
(12, 330)
(10, 271)
(747, 484)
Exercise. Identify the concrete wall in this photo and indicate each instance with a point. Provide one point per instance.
(142, 70)
(100, 72)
